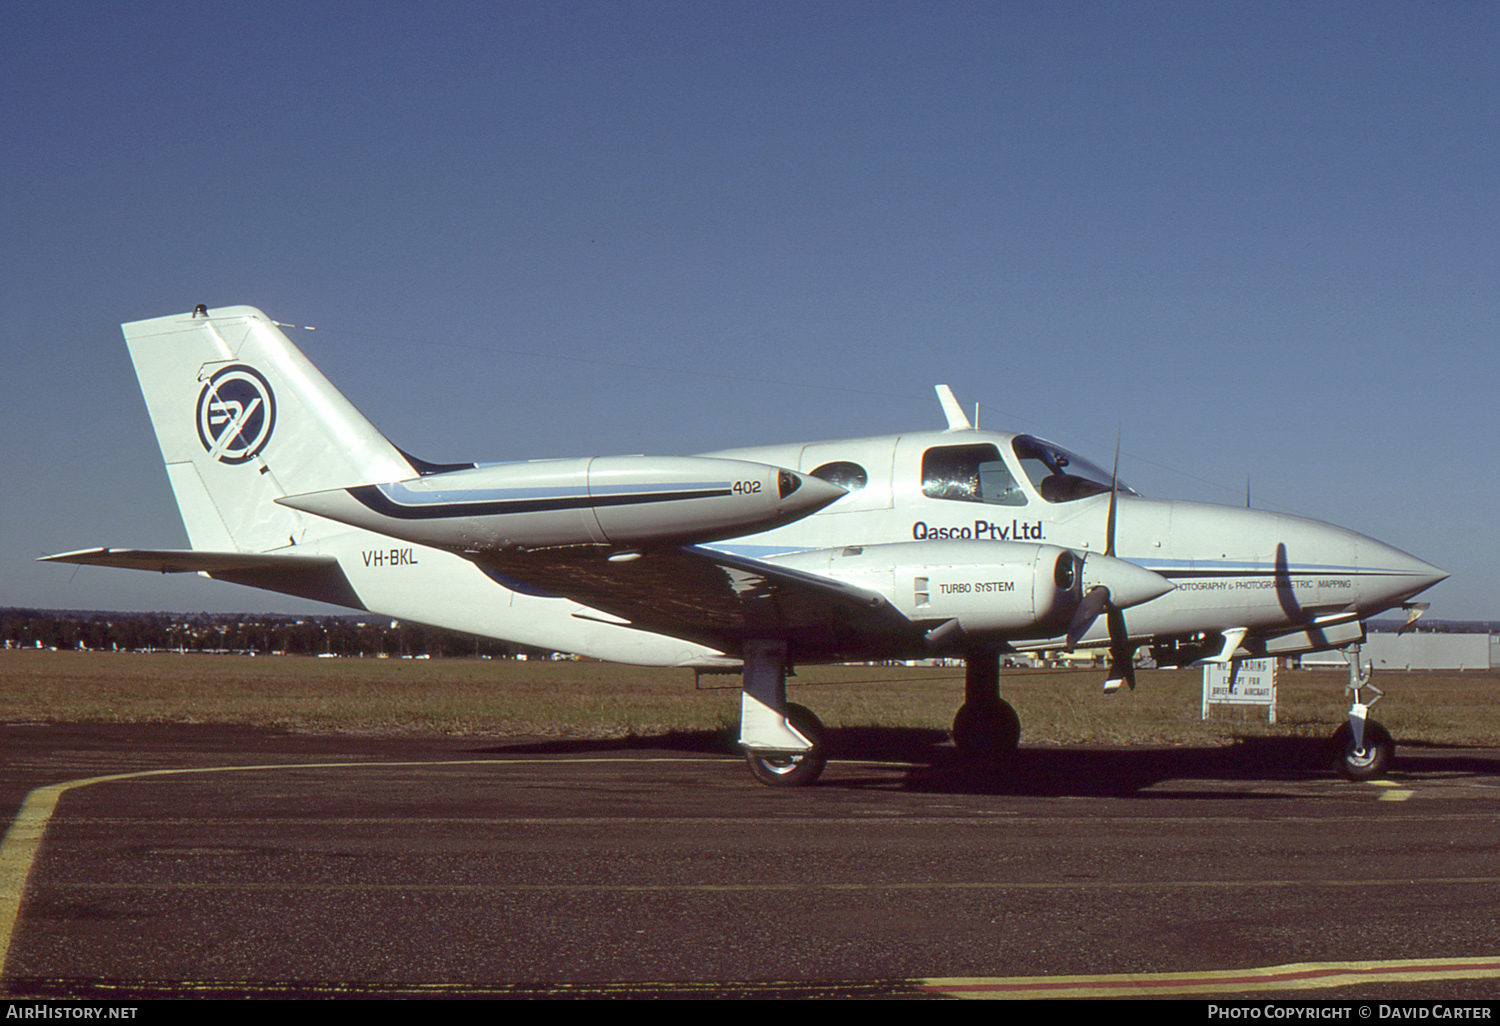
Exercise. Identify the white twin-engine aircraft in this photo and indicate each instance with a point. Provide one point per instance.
(957, 542)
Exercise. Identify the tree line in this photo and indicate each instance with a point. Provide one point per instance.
(247, 633)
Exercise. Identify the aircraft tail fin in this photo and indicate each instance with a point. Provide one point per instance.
(243, 419)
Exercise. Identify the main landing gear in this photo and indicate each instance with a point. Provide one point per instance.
(1362, 748)
(792, 769)
(784, 743)
(786, 746)
(986, 726)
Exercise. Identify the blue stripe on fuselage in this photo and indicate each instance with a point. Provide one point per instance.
(487, 503)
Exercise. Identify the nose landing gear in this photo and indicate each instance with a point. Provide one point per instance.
(1362, 748)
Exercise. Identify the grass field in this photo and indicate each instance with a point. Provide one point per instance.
(598, 700)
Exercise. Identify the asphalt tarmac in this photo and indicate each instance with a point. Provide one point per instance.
(146, 861)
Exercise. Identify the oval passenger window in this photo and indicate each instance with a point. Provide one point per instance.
(849, 476)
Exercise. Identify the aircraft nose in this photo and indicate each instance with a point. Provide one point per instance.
(1404, 574)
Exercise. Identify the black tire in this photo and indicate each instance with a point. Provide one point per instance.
(793, 769)
(987, 729)
(1368, 763)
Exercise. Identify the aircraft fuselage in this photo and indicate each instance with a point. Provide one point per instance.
(1273, 574)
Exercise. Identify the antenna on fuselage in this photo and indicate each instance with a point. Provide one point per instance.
(954, 412)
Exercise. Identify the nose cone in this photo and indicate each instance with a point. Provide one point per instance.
(1398, 575)
(802, 494)
(1128, 584)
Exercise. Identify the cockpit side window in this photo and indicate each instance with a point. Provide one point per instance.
(969, 473)
(1058, 475)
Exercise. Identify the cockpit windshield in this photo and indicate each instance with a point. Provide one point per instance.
(1058, 475)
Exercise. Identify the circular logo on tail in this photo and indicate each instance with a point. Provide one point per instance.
(236, 412)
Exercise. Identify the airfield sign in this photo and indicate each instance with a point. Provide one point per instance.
(1240, 682)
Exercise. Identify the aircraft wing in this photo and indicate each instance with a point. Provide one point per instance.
(712, 598)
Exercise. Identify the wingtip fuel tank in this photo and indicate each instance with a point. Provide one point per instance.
(622, 501)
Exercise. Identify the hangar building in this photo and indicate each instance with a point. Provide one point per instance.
(1419, 651)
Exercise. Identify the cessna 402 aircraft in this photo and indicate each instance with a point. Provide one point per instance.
(957, 542)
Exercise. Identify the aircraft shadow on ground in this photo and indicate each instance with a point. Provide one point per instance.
(926, 761)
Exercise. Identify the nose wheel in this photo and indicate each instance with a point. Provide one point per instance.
(1362, 748)
(1365, 759)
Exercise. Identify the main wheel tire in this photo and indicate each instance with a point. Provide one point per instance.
(1368, 763)
(793, 769)
(987, 729)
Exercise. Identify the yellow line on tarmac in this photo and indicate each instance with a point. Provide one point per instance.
(1296, 976)
(788, 886)
(19, 847)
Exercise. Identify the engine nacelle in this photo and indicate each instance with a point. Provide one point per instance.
(1015, 589)
(623, 501)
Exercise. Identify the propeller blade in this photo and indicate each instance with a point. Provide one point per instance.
(1121, 652)
(1114, 491)
(1089, 608)
(1120, 672)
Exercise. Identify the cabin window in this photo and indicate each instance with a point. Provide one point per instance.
(969, 473)
(848, 476)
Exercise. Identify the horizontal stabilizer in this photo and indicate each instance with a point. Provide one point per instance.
(186, 561)
(319, 578)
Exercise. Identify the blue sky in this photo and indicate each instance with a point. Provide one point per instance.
(1259, 240)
